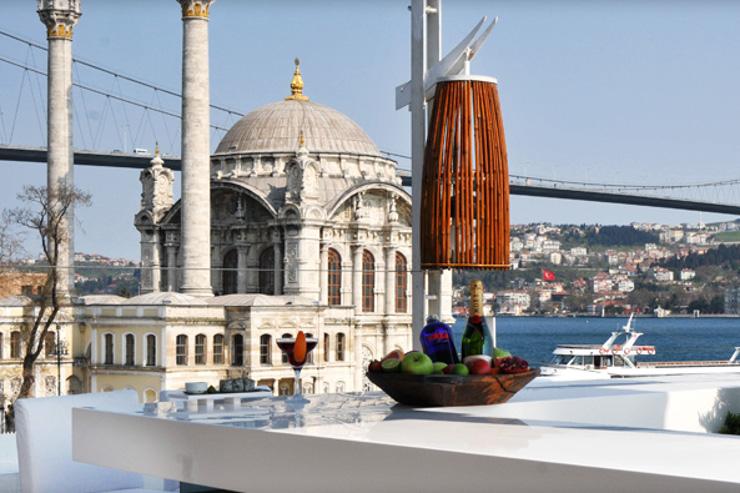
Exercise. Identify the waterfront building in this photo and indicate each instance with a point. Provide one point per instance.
(310, 229)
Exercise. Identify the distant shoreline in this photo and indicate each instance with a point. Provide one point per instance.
(583, 315)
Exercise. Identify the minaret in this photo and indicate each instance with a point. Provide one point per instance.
(156, 200)
(196, 176)
(59, 17)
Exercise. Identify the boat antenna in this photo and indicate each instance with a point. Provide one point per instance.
(628, 327)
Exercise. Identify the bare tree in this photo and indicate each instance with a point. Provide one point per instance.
(46, 214)
(11, 241)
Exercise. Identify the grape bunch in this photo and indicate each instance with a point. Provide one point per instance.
(512, 364)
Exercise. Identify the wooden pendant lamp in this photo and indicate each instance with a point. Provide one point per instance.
(465, 184)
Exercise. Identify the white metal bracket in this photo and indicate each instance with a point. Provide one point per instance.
(454, 63)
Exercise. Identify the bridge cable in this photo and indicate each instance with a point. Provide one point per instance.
(33, 98)
(99, 68)
(103, 93)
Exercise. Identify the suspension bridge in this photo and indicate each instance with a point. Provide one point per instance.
(115, 112)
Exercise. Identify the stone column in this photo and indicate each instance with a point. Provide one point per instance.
(59, 17)
(323, 274)
(241, 268)
(253, 265)
(390, 280)
(196, 180)
(278, 250)
(171, 266)
(357, 277)
(150, 262)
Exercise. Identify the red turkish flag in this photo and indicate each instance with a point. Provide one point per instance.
(548, 275)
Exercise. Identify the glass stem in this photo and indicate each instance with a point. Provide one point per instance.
(297, 387)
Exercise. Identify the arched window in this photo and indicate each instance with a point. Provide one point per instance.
(50, 342)
(151, 350)
(368, 282)
(283, 356)
(181, 350)
(218, 349)
(340, 347)
(108, 350)
(267, 271)
(327, 338)
(15, 344)
(237, 350)
(150, 395)
(334, 281)
(229, 275)
(200, 349)
(265, 349)
(129, 359)
(401, 283)
(340, 387)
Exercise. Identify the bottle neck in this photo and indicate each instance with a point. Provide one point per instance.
(476, 300)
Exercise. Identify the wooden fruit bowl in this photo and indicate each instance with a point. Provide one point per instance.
(451, 390)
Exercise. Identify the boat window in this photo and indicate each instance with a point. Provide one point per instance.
(588, 360)
(561, 359)
(577, 361)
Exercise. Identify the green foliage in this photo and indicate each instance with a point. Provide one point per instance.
(729, 236)
(731, 425)
(722, 255)
(620, 236)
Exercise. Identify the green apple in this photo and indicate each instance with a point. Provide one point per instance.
(391, 365)
(439, 367)
(417, 363)
(500, 353)
(461, 369)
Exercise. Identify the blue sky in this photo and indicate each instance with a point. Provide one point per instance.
(636, 92)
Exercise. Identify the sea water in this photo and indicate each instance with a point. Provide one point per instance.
(679, 339)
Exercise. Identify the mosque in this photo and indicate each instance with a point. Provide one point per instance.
(296, 222)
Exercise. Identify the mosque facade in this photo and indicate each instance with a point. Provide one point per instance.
(296, 222)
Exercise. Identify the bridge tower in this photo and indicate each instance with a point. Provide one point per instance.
(59, 17)
(196, 161)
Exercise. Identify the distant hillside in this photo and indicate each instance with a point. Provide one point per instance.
(612, 236)
(725, 255)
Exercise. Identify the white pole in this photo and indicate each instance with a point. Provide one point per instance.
(418, 128)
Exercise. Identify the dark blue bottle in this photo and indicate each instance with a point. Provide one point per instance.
(437, 343)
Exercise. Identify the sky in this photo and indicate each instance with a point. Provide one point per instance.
(616, 91)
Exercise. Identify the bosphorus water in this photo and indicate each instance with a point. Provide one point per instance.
(680, 339)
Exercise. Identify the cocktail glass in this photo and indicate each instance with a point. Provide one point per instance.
(287, 346)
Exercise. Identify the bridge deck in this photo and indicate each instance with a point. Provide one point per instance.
(137, 161)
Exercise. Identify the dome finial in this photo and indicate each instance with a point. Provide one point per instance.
(296, 85)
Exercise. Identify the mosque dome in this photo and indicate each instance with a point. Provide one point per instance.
(277, 127)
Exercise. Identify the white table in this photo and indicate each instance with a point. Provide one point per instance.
(346, 443)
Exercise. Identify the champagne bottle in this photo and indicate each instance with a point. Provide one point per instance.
(477, 337)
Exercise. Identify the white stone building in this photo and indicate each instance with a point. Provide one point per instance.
(306, 210)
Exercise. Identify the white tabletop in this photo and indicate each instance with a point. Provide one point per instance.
(364, 443)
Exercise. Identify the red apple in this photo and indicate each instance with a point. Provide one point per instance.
(395, 354)
(480, 367)
(495, 370)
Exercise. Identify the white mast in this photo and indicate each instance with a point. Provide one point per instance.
(426, 68)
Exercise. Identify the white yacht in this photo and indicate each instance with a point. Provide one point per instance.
(613, 360)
